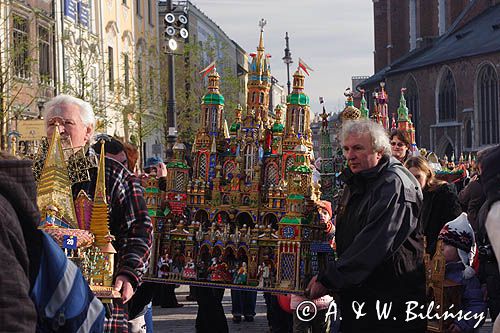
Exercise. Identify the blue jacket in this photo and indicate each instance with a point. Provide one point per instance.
(472, 298)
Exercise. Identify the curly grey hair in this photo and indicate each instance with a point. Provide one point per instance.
(380, 139)
(52, 108)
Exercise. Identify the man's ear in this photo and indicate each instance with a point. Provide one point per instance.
(89, 131)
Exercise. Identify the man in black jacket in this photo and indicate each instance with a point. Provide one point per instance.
(379, 238)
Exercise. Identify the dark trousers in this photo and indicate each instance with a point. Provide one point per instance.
(493, 288)
(167, 296)
(210, 317)
(280, 321)
(243, 303)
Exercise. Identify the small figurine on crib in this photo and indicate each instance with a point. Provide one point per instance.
(266, 275)
(241, 274)
(219, 271)
(260, 274)
(189, 271)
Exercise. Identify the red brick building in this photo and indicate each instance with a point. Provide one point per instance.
(447, 54)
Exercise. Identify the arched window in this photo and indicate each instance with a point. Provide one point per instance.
(272, 174)
(202, 166)
(253, 97)
(207, 117)
(300, 121)
(487, 96)
(229, 168)
(289, 163)
(213, 127)
(468, 134)
(180, 182)
(249, 161)
(261, 98)
(411, 96)
(447, 98)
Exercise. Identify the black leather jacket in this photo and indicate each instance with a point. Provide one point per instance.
(380, 247)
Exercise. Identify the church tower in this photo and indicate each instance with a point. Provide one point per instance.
(259, 80)
(210, 138)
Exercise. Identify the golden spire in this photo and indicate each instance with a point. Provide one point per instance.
(99, 220)
(54, 186)
(100, 187)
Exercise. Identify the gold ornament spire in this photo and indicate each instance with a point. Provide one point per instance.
(99, 220)
(54, 186)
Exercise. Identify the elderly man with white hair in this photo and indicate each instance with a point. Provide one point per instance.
(379, 238)
(128, 214)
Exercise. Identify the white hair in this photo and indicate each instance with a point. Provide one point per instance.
(380, 139)
(52, 108)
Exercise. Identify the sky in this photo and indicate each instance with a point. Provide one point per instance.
(334, 37)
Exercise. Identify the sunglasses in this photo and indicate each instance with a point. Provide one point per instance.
(399, 144)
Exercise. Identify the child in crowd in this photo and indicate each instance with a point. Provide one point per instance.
(458, 250)
(320, 323)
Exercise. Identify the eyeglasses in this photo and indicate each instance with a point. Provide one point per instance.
(399, 144)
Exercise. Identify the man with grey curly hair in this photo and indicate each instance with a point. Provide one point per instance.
(366, 142)
(379, 239)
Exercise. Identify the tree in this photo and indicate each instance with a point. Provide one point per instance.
(85, 73)
(20, 83)
(190, 87)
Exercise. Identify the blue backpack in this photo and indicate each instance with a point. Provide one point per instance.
(61, 295)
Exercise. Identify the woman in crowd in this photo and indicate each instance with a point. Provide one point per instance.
(441, 203)
(400, 146)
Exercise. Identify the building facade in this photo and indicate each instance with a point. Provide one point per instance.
(447, 56)
(27, 63)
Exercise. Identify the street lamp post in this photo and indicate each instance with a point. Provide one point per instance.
(171, 113)
(40, 104)
(287, 59)
(175, 27)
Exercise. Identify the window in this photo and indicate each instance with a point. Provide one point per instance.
(20, 47)
(207, 117)
(249, 161)
(202, 166)
(151, 83)
(413, 24)
(139, 81)
(44, 55)
(213, 127)
(150, 16)
(487, 96)
(301, 119)
(447, 98)
(66, 65)
(468, 134)
(126, 69)
(272, 174)
(111, 70)
(95, 88)
(411, 96)
(138, 7)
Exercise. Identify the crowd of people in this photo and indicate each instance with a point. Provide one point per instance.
(392, 212)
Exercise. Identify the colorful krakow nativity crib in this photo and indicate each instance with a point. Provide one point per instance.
(81, 227)
(246, 218)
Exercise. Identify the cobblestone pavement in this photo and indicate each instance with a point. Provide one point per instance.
(182, 320)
